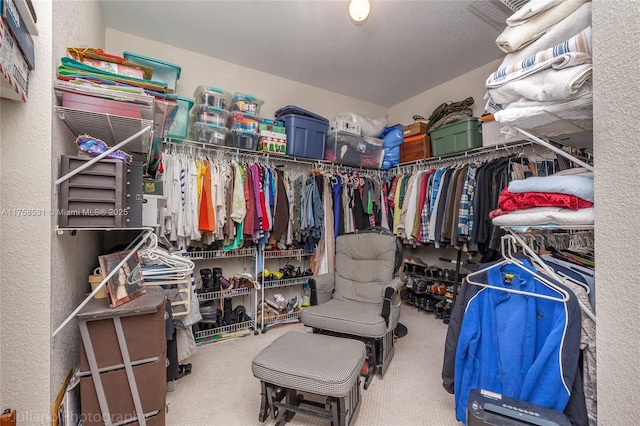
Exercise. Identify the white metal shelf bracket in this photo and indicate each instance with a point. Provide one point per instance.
(144, 236)
(555, 149)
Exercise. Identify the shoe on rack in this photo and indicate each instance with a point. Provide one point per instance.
(292, 304)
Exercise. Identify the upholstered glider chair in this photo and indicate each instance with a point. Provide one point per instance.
(360, 300)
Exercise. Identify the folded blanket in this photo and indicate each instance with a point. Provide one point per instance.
(550, 119)
(529, 10)
(551, 216)
(574, 51)
(514, 38)
(579, 185)
(585, 92)
(510, 201)
(546, 85)
(563, 30)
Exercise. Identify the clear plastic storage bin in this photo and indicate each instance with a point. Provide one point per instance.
(211, 115)
(355, 150)
(162, 71)
(242, 121)
(209, 133)
(244, 139)
(246, 103)
(213, 96)
(180, 126)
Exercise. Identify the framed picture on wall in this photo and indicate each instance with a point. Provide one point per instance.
(126, 284)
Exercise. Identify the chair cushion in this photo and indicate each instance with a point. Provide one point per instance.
(342, 316)
(364, 266)
(313, 363)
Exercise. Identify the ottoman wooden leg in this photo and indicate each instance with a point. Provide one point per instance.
(264, 404)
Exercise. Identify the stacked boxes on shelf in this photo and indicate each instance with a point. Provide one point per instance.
(416, 145)
(272, 137)
(244, 125)
(211, 115)
(17, 56)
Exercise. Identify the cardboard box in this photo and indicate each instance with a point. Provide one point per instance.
(343, 125)
(271, 128)
(19, 30)
(152, 187)
(417, 128)
(272, 142)
(417, 147)
(13, 67)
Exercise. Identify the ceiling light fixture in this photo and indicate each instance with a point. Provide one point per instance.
(359, 10)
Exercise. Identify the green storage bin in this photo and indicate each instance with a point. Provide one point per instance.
(461, 135)
(180, 126)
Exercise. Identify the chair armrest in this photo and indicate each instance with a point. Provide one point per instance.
(322, 287)
(391, 288)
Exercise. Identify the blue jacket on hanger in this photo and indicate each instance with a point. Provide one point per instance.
(520, 346)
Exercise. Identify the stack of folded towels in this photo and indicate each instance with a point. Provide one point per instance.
(563, 199)
(547, 70)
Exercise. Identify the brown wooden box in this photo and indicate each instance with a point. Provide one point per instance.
(414, 148)
(417, 128)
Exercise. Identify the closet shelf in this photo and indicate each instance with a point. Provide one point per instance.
(527, 228)
(276, 254)
(112, 129)
(287, 282)
(283, 317)
(204, 334)
(219, 254)
(216, 295)
(61, 231)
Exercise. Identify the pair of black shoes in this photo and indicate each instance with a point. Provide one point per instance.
(211, 279)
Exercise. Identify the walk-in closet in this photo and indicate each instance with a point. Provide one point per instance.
(349, 212)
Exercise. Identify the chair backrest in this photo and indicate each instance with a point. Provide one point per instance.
(365, 263)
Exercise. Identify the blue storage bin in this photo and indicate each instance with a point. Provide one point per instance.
(306, 132)
(162, 71)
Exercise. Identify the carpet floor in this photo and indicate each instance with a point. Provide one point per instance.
(221, 389)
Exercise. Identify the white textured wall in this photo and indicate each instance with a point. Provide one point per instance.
(198, 69)
(469, 84)
(25, 251)
(616, 47)
(74, 257)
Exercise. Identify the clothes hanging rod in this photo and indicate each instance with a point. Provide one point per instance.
(266, 157)
(458, 156)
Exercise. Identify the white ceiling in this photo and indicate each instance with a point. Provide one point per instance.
(402, 49)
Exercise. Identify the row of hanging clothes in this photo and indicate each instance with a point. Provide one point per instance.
(524, 326)
(449, 206)
(223, 200)
(224, 203)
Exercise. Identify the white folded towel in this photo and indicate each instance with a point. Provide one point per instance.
(546, 85)
(563, 30)
(529, 10)
(515, 38)
(552, 216)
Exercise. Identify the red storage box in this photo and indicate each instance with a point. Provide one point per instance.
(95, 104)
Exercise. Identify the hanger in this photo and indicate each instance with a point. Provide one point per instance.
(507, 244)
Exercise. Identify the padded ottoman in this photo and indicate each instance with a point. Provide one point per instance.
(313, 363)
